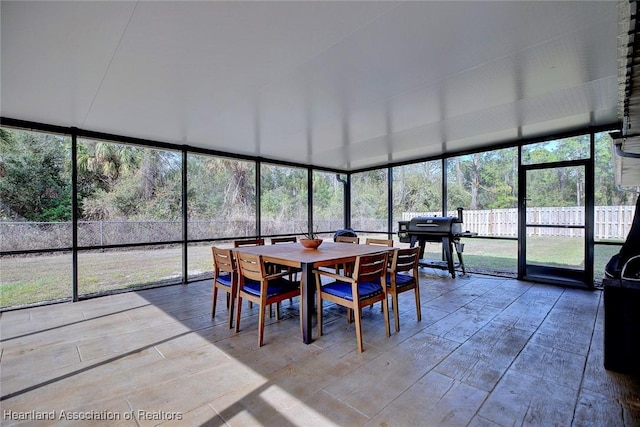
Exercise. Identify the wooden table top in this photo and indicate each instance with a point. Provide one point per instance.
(328, 253)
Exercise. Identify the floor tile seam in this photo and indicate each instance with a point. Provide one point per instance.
(217, 413)
(619, 400)
(454, 381)
(106, 359)
(34, 373)
(153, 340)
(66, 325)
(510, 366)
(477, 415)
(483, 326)
(271, 375)
(128, 393)
(205, 343)
(529, 341)
(460, 345)
(477, 297)
(461, 380)
(585, 355)
(22, 378)
(546, 378)
(79, 371)
(343, 402)
(64, 341)
(435, 366)
(586, 359)
(475, 345)
(524, 417)
(556, 321)
(350, 371)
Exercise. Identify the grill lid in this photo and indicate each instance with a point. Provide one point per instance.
(434, 225)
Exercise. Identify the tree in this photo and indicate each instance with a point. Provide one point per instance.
(417, 187)
(220, 187)
(122, 181)
(33, 181)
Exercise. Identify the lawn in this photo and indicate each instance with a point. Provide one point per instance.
(34, 279)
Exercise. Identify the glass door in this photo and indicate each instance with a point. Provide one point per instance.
(554, 223)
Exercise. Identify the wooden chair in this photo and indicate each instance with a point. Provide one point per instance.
(277, 268)
(348, 239)
(347, 268)
(403, 277)
(248, 242)
(365, 287)
(261, 288)
(225, 278)
(380, 242)
(277, 240)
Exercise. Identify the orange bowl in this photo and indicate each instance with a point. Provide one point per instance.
(311, 243)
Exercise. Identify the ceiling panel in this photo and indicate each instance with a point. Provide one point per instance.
(343, 85)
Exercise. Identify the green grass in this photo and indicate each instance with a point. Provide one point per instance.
(35, 279)
(492, 255)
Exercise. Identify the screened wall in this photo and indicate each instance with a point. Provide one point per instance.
(147, 214)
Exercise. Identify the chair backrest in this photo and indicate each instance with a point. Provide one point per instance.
(223, 260)
(348, 239)
(381, 242)
(248, 242)
(406, 259)
(276, 240)
(371, 267)
(250, 266)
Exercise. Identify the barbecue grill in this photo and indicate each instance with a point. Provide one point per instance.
(446, 230)
(621, 302)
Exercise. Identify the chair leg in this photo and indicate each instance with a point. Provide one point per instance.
(358, 321)
(238, 313)
(232, 301)
(261, 317)
(418, 311)
(213, 301)
(385, 309)
(396, 314)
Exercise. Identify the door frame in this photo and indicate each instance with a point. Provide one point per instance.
(557, 275)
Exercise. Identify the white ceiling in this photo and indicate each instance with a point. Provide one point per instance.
(339, 84)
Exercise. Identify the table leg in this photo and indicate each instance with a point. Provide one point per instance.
(306, 301)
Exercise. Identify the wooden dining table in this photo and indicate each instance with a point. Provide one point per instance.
(295, 255)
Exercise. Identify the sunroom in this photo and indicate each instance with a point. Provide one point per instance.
(137, 135)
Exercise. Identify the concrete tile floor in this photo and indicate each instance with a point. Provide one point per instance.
(488, 352)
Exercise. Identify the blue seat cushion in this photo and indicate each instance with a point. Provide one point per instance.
(343, 289)
(224, 279)
(402, 280)
(275, 287)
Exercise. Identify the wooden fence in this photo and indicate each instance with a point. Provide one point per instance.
(610, 222)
